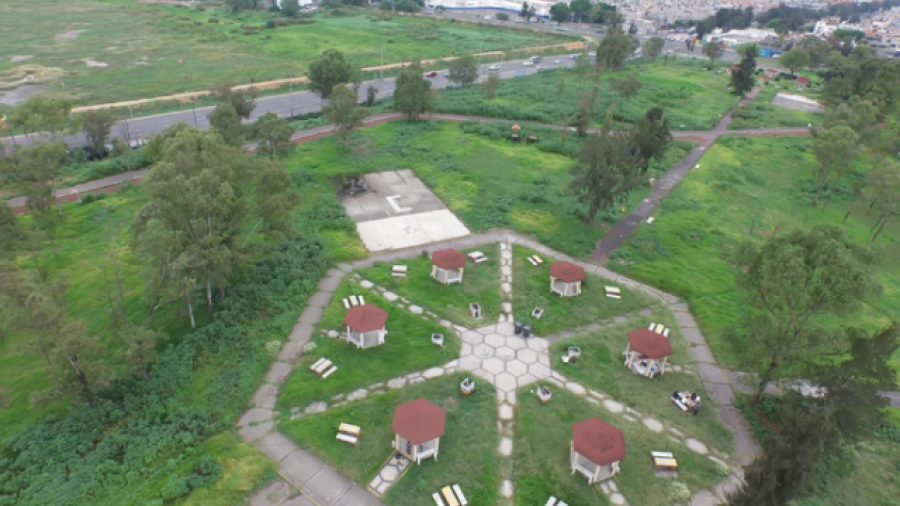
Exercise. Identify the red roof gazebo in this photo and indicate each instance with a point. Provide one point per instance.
(447, 265)
(597, 448)
(644, 351)
(566, 278)
(366, 325)
(418, 426)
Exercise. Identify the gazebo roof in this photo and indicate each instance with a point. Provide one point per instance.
(567, 272)
(448, 259)
(419, 421)
(598, 441)
(649, 343)
(365, 318)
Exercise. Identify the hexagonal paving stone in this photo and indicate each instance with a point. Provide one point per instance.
(516, 342)
(468, 363)
(483, 351)
(526, 379)
(539, 370)
(505, 353)
(492, 365)
(512, 397)
(506, 412)
(481, 373)
(537, 344)
(505, 329)
(495, 340)
(506, 446)
(527, 355)
(465, 349)
(472, 337)
(505, 382)
(490, 329)
(516, 368)
(617, 498)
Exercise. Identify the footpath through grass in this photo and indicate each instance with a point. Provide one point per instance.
(693, 98)
(744, 185)
(542, 468)
(407, 347)
(601, 366)
(468, 449)
(531, 288)
(481, 284)
(761, 112)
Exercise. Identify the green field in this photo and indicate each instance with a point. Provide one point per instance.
(407, 348)
(693, 99)
(487, 182)
(481, 283)
(542, 457)
(761, 112)
(468, 449)
(159, 50)
(746, 184)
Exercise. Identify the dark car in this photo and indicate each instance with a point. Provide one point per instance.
(433, 73)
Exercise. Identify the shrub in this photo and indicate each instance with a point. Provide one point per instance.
(270, 24)
(175, 488)
(677, 491)
(213, 20)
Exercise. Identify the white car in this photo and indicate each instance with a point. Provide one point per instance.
(527, 63)
(494, 68)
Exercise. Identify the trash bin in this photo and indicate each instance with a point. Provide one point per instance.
(526, 331)
(518, 327)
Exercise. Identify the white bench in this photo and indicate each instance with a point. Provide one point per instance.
(459, 495)
(650, 220)
(680, 404)
(652, 326)
(536, 260)
(447, 492)
(347, 438)
(613, 292)
(321, 365)
(662, 455)
(666, 333)
(329, 371)
(399, 271)
(477, 257)
(555, 502)
(665, 464)
(437, 499)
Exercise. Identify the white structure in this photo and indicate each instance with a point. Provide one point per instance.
(596, 449)
(365, 326)
(566, 278)
(418, 426)
(447, 266)
(541, 7)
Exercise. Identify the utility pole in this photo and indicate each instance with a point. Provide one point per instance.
(291, 98)
(382, 63)
(193, 111)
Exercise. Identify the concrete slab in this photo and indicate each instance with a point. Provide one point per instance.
(711, 373)
(692, 335)
(290, 352)
(265, 396)
(311, 315)
(320, 299)
(279, 372)
(298, 501)
(254, 416)
(272, 494)
(253, 433)
(685, 320)
(359, 497)
(276, 447)
(701, 353)
(329, 284)
(301, 467)
(722, 394)
(302, 332)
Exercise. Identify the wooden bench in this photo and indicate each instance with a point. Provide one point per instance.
(613, 292)
(459, 495)
(321, 366)
(662, 455)
(447, 492)
(680, 404)
(348, 433)
(347, 438)
(437, 499)
(399, 271)
(536, 260)
(477, 257)
(661, 464)
(329, 372)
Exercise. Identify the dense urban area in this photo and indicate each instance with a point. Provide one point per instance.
(449, 252)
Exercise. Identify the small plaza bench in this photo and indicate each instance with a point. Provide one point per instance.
(613, 292)
(323, 368)
(353, 301)
(399, 271)
(477, 257)
(348, 433)
(553, 501)
(452, 496)
(664, 461)
(536, 260)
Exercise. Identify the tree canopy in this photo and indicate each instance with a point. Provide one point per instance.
(329, 70)
(413, 94)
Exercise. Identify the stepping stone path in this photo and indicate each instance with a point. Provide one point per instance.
(492, 353)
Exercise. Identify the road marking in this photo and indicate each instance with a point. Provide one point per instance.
(394, 202)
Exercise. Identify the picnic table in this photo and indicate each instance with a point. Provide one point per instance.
(323, 368)
(664, 461)
(348, 433)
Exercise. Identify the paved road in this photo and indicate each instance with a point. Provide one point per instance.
(286, 105)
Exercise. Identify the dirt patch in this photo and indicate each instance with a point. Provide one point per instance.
(21, 75)
(68, 35)
(21, 58)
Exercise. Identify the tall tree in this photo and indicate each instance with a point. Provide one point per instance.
(527, 12)
(651, 136)
(713, 50)
(882, 189)
(37, 169)
(42, 113)
(413, 94)
(581, 9)
(627, 87)
(794, 59)
(582, 119)
(329, 70)
(140, 348)
(242, 101)
(226, 122)
(834, 148)
(97, 124)
(198, 188)
(159, 250)
(614, 49)
(789, 284)
(11, 231)
(290, 8)
(344, 112)
(560, 13)
(273, 135)
(84, 371)
(606, 172)
(652, 47)
(860, 115)
(743, 77)
(491, 85)
(276, 200)
(463, 70)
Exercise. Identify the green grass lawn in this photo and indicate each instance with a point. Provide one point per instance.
(481, 284)
(407, 348)
(531, 288)
(488, 183)
(601, 367)
(468, 450)
(542, 468)
(693, 98)
(154, 50)
(746, 183)
(763, 113)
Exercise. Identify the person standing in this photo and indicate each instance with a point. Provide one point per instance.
(695, 399)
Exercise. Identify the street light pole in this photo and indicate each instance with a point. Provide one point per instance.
(291, 98)
(382, 63)
(193, 111)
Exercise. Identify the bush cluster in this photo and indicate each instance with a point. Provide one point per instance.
(197, 387)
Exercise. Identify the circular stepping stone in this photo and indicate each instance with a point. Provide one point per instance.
(316, 407)
(617, 498)
(391, 296)
(506, 446)
(366, 283)
(575, 388)
(506, 488)
(333, 334)
(396, 383)
(613, 406)
(415, 309)
(357, 395)
(696, 446)
(653, 425)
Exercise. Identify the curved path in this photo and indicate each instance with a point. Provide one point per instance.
(308, 481)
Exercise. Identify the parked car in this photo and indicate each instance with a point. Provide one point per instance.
(557, 61)
(433, 73)
(527, 63)
(494, 68)
(446, 73)
(574, 57)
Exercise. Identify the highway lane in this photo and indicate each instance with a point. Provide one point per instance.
(285, 105)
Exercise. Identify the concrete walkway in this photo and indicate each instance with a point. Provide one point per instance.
(492, 353)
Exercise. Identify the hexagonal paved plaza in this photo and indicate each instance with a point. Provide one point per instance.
(508, 361)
